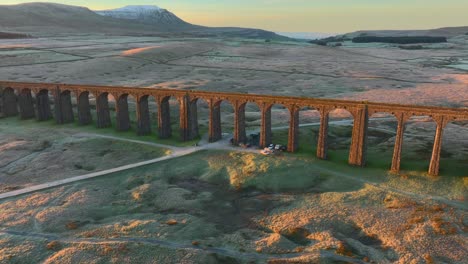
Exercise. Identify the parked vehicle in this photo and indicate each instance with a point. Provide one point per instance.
(267, 151)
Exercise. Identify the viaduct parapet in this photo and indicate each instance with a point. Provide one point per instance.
(32, 100)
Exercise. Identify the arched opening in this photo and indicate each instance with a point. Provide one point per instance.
(222, 117)
(381, 135)
(309, 125)
(280, 125)
(84, 108)
(26, 104)
(199, 117)
(10, 102)
(454, 153)
(64, 108)
(168, 116)
(103, 109)
(418, 142)
(339, 135)
(250, 122)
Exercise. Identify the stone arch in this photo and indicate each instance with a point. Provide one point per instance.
(418, 142)
(339, 133)
(64, 107)
(10, 102)
(221, 113)
(198, 107)
(309, 126)
(432, 147)
(166, 113)
(454, 148)
(103, 109)
(279, 124)
(84, 108)
(382, 137)
(249, 121)
(26, 104)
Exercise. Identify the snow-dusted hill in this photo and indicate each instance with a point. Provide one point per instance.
(146, 14)
(48, 19)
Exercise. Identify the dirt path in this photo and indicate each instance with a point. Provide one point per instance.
(175, 154)
(222, 144)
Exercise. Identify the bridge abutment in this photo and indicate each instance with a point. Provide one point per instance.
(357, 153)
(143, 116)
(322, 141)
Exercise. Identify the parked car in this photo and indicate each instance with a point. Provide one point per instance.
(267, 151)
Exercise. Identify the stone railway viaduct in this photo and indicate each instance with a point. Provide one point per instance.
(32, 100)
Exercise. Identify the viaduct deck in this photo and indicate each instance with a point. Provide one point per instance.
(32, 100)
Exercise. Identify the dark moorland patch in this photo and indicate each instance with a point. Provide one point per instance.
(5, 35)
(399, 40)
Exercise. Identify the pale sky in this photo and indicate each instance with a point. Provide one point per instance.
(333, 16)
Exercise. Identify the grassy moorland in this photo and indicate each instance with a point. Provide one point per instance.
(233, 207)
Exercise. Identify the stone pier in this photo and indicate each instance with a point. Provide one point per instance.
(293, 134)
(121, 113)
(322, 141)
(26, 104)
(214, 126)
(357, 153)
(184, 118)
(43, 106)
(193, 119)
(265, 127)
(434, 165)
(239, 123)
(63, 107)
(102, 111)
(10, 102)
(164, 118)
(84, 109)
(396, 159)
(143, 116)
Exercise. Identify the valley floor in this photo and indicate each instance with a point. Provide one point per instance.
(232, 205)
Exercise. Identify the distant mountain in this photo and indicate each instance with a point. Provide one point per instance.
(49, 19)
(147, 14)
